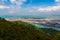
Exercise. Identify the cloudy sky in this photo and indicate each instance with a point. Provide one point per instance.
(30, 7)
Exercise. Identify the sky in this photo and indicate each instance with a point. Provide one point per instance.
(29, 7)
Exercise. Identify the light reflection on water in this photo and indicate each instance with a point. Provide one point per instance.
(42, 26)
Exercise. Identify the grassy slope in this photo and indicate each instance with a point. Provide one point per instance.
(55, 34)
(20, 31)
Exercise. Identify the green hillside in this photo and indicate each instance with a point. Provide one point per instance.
(19, 30)
(55, 34)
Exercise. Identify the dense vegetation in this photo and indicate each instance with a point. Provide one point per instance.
(19, 31)
(55, 34)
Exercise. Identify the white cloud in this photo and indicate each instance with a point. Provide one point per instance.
(16, 8)
(57, 0)
(17, 2)
(50, 8)
(44, 9)
(3, 7)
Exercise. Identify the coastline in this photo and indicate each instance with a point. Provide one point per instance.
(40, 23)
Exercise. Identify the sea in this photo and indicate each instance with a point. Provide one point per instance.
(30, 16)
(33, 16)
